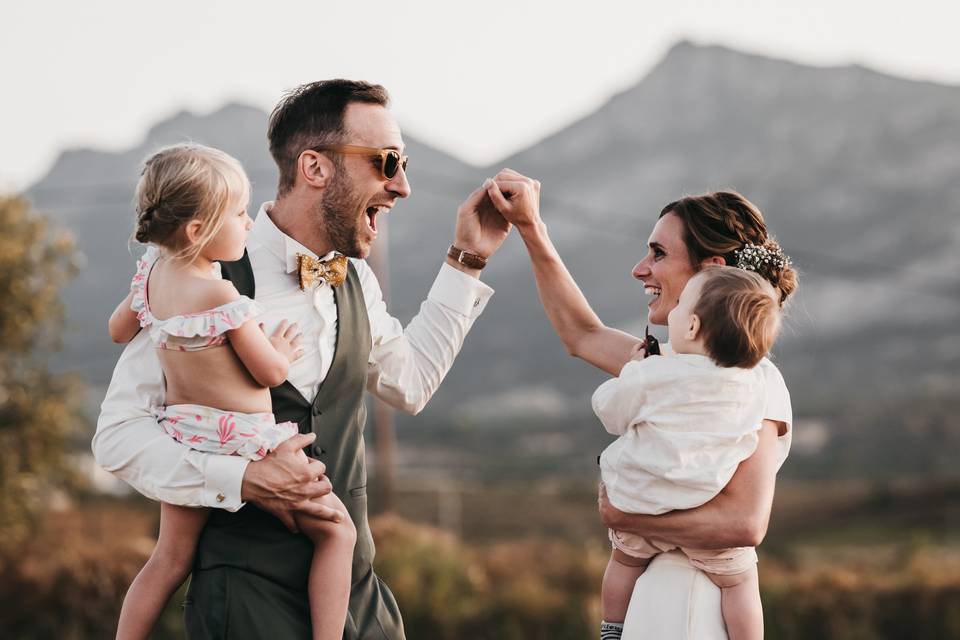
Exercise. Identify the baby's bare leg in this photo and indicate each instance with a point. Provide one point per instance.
(164, 572)
(740, 603)
(329, 586)
(618, 582)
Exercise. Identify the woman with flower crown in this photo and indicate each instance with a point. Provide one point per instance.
(672, 599)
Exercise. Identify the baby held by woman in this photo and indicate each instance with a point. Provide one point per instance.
(686, 420)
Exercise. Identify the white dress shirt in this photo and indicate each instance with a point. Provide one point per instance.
(405, 368)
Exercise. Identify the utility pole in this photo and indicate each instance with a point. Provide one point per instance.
(384, 435)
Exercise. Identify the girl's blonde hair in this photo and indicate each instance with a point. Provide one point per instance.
(186, 182)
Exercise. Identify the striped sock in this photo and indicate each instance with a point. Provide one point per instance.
(611, 630)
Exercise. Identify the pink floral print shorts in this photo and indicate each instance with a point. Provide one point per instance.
(250, 435)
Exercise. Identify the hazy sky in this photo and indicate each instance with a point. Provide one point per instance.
(478, 80)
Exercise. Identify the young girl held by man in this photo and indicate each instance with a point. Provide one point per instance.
(218, 365)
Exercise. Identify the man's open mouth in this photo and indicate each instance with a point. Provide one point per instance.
(372, 216)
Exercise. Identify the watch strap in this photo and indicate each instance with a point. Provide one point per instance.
(471, 260)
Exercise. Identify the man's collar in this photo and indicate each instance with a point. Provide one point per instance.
(285, 248)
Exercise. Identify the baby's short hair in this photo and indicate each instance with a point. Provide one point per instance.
(739, 316)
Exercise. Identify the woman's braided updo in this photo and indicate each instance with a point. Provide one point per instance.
(724, 223)
(187, 182)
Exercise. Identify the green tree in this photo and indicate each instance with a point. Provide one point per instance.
(37, 407)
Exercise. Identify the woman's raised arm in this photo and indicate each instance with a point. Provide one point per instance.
(737, 517)
(517, 198)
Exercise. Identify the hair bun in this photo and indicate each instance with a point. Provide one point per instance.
(769, 261)
(763, 259)
(146, 227)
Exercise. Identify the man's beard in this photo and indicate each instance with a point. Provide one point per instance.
(339, 217)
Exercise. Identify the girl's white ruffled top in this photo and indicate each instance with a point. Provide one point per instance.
(192, 331)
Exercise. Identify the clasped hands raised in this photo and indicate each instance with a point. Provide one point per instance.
(509, 198)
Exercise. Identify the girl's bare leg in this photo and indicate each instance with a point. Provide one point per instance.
(330, 571)
(164, 572)
(740, 603)
(618, 582)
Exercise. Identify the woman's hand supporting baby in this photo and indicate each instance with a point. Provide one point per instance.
(737, 517)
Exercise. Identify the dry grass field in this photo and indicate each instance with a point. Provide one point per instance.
(851, 562)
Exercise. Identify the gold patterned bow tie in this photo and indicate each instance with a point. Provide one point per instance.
(313, 271)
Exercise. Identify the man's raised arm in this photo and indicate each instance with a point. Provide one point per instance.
(408, 365)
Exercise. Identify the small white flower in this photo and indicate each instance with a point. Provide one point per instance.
(753, 256)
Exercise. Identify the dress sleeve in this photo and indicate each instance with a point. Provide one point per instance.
(778, 407)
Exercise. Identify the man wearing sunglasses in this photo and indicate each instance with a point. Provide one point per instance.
(340, 157)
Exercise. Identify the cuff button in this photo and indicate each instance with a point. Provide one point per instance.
(221, 497)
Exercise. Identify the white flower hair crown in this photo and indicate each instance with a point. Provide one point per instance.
(761, 259)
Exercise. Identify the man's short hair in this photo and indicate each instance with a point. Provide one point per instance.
(312, 115)
(739, 316)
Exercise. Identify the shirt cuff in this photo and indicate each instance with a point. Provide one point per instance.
(222, 481)
(459, 292)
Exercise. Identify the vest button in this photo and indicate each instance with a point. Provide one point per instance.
(317, 412)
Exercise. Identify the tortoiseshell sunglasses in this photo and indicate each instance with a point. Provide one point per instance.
(390, 159)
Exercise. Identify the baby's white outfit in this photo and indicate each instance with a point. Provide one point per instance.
(685, 424)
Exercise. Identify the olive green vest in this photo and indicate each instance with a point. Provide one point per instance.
(250, 573)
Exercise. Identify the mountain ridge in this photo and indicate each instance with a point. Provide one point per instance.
(855, 171)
